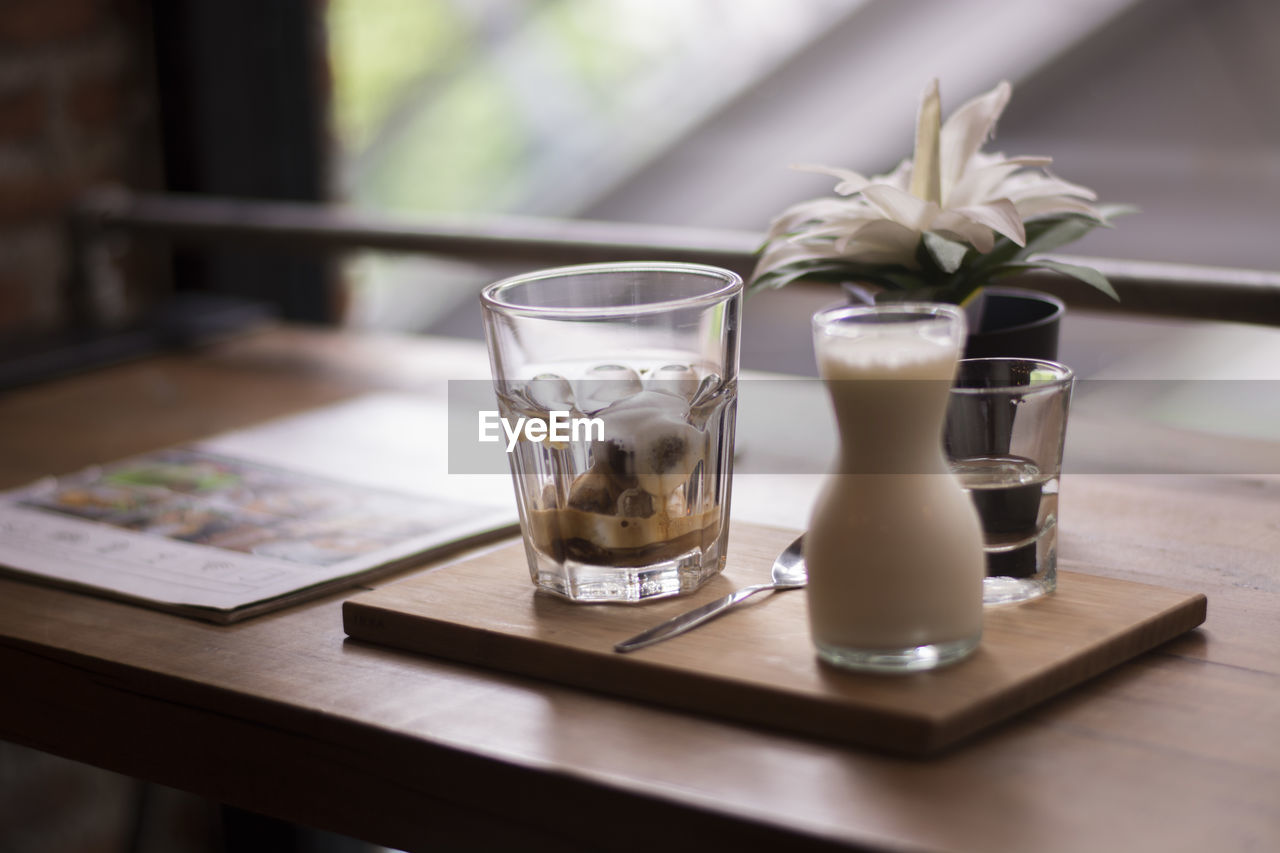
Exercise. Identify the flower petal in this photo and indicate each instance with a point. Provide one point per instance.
(984, 179)
(1045, 185)
(815, 210)
(850, 181)
(954, 226)
(1000, 216)
(1037, 160)
(843, 229)
(966, 129)
(881, 252)
(784, 254)
(902, 207)
(926, 180)
(880, 234)
(1054, 204)
(899, 178)
(889, 256)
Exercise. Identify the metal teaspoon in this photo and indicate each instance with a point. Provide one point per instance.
(788, 573)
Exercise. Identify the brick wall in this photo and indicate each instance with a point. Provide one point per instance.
(75, 110)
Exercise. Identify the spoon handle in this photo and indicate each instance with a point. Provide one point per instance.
(690, 619)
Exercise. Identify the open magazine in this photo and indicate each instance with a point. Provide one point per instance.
(253, 520)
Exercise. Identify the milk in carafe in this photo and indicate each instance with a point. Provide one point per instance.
(894, 547)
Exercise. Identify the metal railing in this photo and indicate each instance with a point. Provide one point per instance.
(1162, 289)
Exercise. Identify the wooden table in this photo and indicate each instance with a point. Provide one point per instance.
(1179, 750)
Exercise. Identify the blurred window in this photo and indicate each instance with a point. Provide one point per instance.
(687, 113)
(519, 107)
(538, 107)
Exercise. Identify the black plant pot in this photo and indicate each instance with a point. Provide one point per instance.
(1015, 323)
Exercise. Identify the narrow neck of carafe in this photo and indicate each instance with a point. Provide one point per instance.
(890, 426)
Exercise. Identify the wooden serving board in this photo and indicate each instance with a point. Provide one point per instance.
(757, 665)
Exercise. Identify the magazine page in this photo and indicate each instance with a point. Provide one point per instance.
(257, 514)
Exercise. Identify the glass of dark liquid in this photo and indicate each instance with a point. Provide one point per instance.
(1005, 431)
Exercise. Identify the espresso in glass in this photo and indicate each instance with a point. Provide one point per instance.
(644, 358)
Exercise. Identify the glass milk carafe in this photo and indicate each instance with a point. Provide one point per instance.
(894, 547)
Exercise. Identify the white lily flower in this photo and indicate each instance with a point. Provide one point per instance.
(950, 188)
